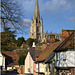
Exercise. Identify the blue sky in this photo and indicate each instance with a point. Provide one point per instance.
(56, 14)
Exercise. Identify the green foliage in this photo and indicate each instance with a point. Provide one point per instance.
(21, 59)
(30, 41)
(8, 40)
(22, 50)
(20, 41)
(56, 40)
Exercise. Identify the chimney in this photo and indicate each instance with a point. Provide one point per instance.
(66, 33)
(44, 45)
(52, 39)
(44, 40)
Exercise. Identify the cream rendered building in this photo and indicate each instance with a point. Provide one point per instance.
(36, 28)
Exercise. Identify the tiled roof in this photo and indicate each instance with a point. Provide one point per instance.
(48, 51)
(68, 43)
(11, 58)
(35, 53)
(50, 57)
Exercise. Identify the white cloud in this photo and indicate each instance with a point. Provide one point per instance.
(70, 19)
(56, 6)
(49, 5)
(27, 22)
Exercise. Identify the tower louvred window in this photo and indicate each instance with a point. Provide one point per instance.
(32, 33)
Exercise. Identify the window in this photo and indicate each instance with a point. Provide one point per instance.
(64, 56)
(46, 67)
(56, 36)
(45, 36)
(32, 33)
(57, 56)
(37, 28)
(37, 66)
(28, 70)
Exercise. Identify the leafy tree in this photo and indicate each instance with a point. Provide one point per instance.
(21, 59)
(20, 41)
(30, 41)
(57, 40)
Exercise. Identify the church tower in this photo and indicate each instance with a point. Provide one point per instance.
(36, 28)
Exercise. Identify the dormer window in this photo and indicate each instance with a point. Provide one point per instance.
(39, 21)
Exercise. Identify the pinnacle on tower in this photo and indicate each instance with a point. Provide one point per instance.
(36, 12)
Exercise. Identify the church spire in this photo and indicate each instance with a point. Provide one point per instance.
(36, 12)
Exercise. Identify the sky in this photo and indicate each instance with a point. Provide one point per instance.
(56, 15)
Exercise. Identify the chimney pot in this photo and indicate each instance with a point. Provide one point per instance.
(52, 39)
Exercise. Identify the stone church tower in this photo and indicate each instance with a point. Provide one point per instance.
(36, 29)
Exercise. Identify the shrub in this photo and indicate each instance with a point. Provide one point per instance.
(21, 59)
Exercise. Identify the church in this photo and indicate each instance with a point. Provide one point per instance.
(36, 28)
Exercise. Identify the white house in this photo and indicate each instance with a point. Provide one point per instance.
(2, 61)
(65, 54)
(65, 58)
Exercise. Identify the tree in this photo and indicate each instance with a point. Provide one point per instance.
(56, 40)
(21, 59)
(11, 14)
(8, 40)
(30, 41)
(20, 41)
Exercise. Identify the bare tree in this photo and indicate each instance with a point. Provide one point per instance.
(11, 14)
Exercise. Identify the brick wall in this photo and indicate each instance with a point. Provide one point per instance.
(66, 33)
